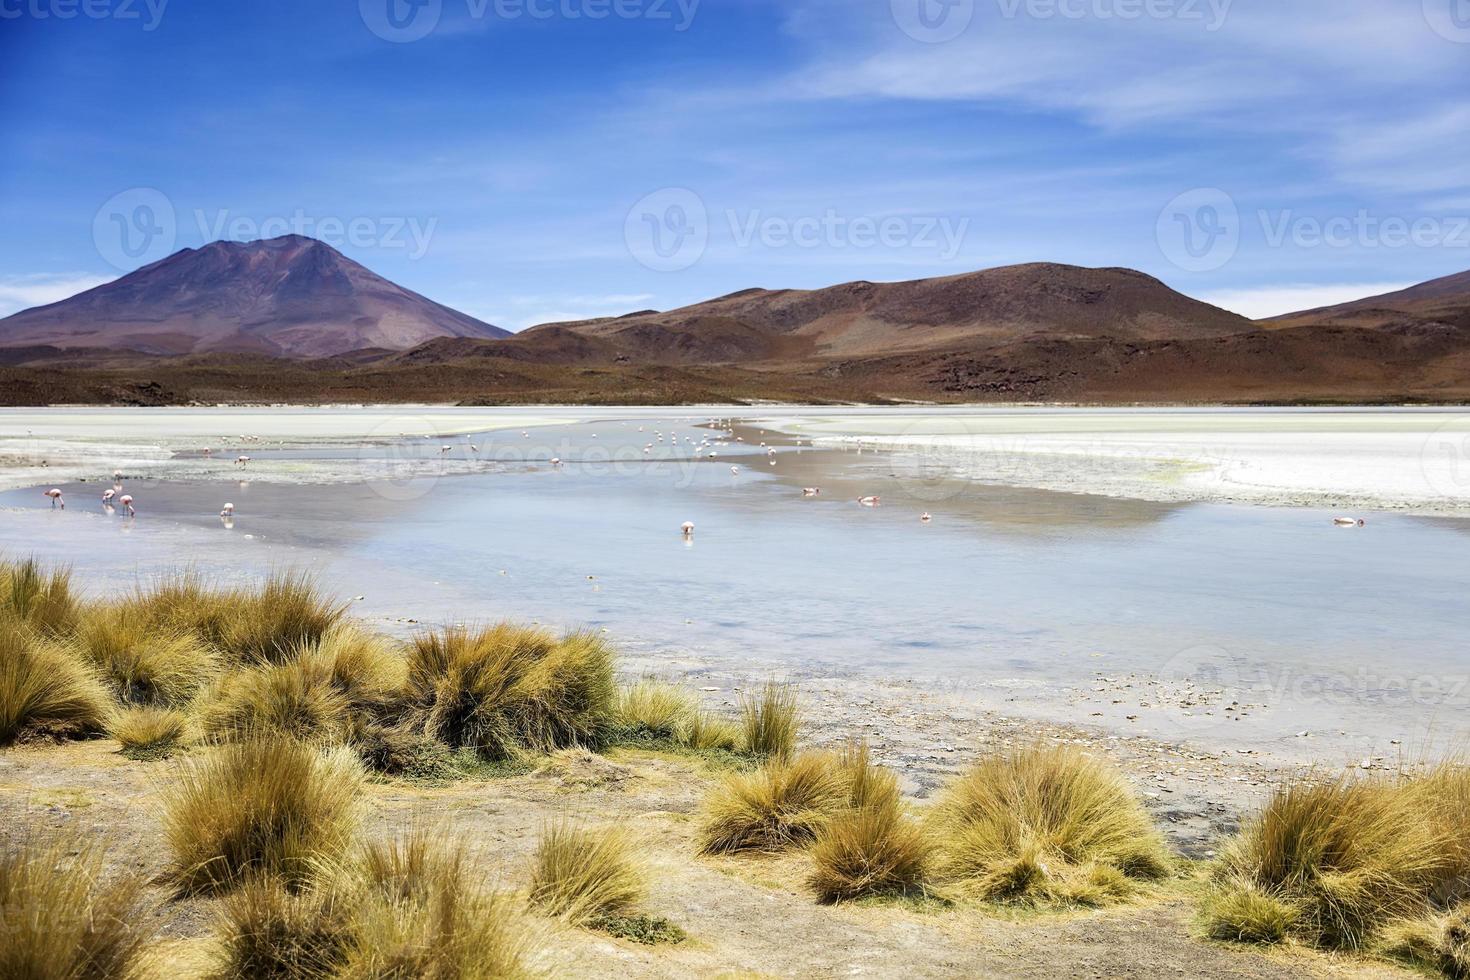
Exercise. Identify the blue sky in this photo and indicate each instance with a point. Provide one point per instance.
(532, 160)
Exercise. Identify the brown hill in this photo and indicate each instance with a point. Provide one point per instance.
(1439, 305)
(284, 297)
(857, 319)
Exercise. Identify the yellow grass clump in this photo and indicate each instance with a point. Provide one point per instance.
(146, 731)
(1343, 856)
(245, 625)
(143, 663)
(770, 720)
(873, 848)
(1438, 942)
(409, 907)
(651, 711)
(59, 918)
(293, 700)
(1044, 824)
(581, 875)
(506, 690)
(45, 693)
(269, 806)
(784, 803)
(43, 600)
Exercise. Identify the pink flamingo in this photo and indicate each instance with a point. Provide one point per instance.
(925, 518)
(241, 460)
(127, 501)
(687, 528)
(228, 510)
(870, 501)
(55, 494)
(810, 491)
(1348, 522)
(107, 495)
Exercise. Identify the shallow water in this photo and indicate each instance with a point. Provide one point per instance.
(1084, 608)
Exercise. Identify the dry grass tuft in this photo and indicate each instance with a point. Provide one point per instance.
(418, 910)
(1245, 915)
(709, 732)
(294, 700)
(580, 875)
(1032, 825)
(269, 933)
(43, 601)
(1348, 855)
(147, 732)
(60, 921)
(44, 693)
(142, 662)
(1439, 943)
(267, 806)
(784, 803)
(876, 849)
(246, 626)
(507, 689)
(770, 720)
(652, 711)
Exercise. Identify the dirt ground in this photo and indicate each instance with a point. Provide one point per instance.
(744, 915)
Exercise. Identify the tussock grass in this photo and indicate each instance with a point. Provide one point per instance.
(579, 875)
(43, 600)
(1442, 797)
(44, 693)
(784, 803)
(267, 932)
(420, 911)
(148, 732)
(143, 662)
(268, 806)
(1033, 825)
(293, 700)
(770, 720)
(652, 711)
(874, 848)
(246, 626)
(1440, 943)
(709, 732)
(507, 689)
(1347, 855)
(1245, 915)
(403, 908)
(59, 920)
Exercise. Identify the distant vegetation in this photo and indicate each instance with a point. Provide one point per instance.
(280, 710)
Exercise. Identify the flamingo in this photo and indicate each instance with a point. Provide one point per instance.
(241, 460)
(117, 477)
(127, 501)
(208, 452)
(870, 501)
(734, 471)
(228, 510)
(107, 495)
(687, 528)
(444, 449)
(55, 494)
(556, 461)
(925, 518)
(1348, 521)
(810, 491)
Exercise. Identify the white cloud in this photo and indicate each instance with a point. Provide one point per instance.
(23, 292)
(1271, 301)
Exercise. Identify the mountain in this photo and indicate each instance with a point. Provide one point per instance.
(288, 297)
(866, 319)
(1437, 305)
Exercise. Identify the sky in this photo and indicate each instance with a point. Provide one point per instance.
(537, 160)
